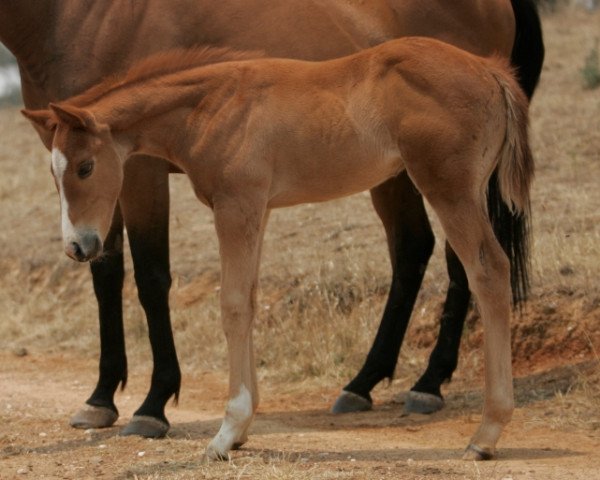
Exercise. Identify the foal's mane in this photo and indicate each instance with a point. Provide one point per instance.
(160, 64)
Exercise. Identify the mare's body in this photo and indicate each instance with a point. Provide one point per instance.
(64, 47)
(260, 134)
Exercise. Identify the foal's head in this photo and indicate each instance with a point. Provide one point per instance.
(88, 175)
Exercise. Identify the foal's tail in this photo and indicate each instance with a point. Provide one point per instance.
(508, 194)
(512, 228)
(515, 162)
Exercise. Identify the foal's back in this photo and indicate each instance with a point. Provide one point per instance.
(334, 128)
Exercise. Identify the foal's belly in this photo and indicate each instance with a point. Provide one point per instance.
(330, 178)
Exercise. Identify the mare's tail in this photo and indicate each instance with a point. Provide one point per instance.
(527, 54)
(512, 227)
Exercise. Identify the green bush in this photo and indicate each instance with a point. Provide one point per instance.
(591, 68)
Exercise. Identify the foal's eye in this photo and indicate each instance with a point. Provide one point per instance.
(85, 169)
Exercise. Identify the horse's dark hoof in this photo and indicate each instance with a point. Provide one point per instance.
(349, 402)
(93, 417)
(145, 426)
(420, 402)
(473, 452)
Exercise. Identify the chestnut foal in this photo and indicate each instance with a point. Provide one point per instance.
(253, 135)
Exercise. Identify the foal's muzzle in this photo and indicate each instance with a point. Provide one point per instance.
(85, 247)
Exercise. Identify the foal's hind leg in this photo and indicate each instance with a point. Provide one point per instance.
(240, 224)
(470, 234)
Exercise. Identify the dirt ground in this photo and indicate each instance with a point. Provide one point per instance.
(48, 340)
(294, 435)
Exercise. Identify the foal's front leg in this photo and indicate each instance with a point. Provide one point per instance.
(240, 224)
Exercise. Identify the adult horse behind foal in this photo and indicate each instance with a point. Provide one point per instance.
(260, 134)
(64, 47)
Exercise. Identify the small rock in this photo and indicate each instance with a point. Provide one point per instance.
(410, 462)
(22, 471)
(141, 454)
(102, 446)
(20, 352)
(566, 270)
(43, 434)
(549, 309)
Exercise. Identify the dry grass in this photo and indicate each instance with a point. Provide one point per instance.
(325, 270)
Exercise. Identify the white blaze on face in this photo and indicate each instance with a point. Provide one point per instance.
(59, 166)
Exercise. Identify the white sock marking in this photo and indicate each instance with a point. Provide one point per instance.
(237, 416)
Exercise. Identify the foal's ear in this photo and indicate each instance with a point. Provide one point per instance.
(77, 117)
(43, 118)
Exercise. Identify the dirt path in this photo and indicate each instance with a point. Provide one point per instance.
(294, 436)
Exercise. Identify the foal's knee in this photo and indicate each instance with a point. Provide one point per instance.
(237, 310)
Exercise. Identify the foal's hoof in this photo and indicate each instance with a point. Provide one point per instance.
(473, 452)
(349, 402)
(145, 426)
(420, 402)
(93, 417)
(240, 443)
(215, 453)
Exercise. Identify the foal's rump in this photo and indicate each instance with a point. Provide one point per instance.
(460, 117)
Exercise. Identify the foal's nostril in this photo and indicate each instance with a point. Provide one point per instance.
(77, 251)
(87, 247)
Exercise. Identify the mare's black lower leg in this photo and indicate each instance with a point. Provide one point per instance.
(146, 210)
(108, 274)
(410, 242)
(425, 396)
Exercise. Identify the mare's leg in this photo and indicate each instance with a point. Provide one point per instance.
(240, 224)
(410, 241)
(426, 396)
(145, 204)
(107, 274)
(470, 233)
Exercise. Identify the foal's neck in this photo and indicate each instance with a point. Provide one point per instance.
(152, 117)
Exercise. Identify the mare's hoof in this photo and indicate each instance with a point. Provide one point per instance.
(473, 452)
(93, 417)
(349, 402)
(420, 402)
(145, 426)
